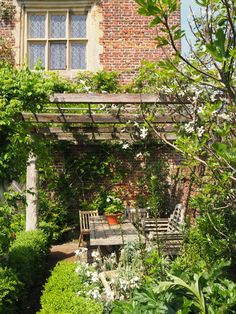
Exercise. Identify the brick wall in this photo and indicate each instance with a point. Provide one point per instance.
(127, 38)
(7, 26)
(127, 188)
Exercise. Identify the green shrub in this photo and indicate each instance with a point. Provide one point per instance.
(27, 255)
(60, 293)
(101, 81)
(9, 290)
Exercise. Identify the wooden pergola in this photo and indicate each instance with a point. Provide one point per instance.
(109, 117)
(76, 117)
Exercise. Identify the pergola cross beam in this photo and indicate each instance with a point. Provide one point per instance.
(76, 117)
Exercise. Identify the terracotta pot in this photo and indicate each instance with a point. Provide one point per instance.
(113, 219)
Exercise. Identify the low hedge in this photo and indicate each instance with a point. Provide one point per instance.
(60, 293)
(27, 256)
(10, 288)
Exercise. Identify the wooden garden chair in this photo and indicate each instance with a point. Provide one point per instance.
(169, 231)
(84, 223)
(137, 214)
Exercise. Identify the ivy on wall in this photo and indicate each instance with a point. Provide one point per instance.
(7, 11)
(6, 53)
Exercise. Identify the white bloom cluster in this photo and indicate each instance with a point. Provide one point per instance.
(123, 283)
(200, 110)
(200, 131)
(82, 268)
(94, 293)
(224, 116)
(127, 284)
(81, 251)
(143, 132)
(86, 88)
(94, 277)
(96, 255)
(113, 199)
(189, 127)
(213, 96)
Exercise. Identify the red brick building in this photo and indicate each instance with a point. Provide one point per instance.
(76, 35)
(79, 35)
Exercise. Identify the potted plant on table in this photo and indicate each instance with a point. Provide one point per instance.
(114, 210)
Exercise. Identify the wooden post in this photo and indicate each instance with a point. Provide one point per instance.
(32, 193)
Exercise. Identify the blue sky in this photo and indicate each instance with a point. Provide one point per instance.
(185, 13)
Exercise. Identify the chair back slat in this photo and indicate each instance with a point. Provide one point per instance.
(176, 219)
(84, 218)
(136, 214)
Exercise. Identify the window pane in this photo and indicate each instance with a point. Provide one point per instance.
(57, 56)
(78, 59)
(36, 54)
(37, 26)
(58, 26)
(78, 26)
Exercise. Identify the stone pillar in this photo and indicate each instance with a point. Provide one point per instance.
(32, 185)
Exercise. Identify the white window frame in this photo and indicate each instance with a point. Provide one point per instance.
(47, 40)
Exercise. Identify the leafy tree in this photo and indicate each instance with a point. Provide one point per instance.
(205, 85)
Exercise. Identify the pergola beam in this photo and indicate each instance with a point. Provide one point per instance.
(97, 118)
(115, 99)
(99, 129)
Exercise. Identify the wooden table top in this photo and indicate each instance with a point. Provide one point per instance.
(101, 233)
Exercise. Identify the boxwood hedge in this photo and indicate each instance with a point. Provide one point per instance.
(60, 293)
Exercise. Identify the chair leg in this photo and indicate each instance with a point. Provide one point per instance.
(80, 238)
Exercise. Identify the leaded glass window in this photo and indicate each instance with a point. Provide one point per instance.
(57, 39)
(37, 26)
(58, 26)
(37, 54)
(78, 56)
(78, 26)
(57, 56)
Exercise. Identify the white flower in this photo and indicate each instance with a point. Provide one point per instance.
(224, 116)
(87, 88)
(134, 282)
(95, 254)
(200, 109)
(95, 277)
(94, 293)
(143, 132)
(123, 284)
(80, 251)
(78, 270)
(189, 127)
(88, 273)
(113, 255)
(213, 97)
(125, 146)
(200, 131)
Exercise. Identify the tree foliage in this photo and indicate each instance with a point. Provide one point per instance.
(204, 82)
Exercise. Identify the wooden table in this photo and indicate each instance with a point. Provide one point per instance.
(103, 234)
